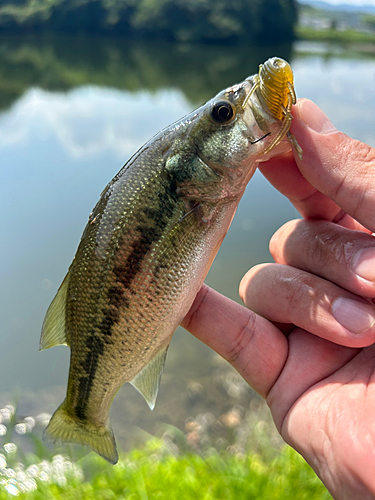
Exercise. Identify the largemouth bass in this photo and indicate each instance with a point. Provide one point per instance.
(147, 248)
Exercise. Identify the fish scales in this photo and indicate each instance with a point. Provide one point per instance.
(119, 289)
(111, 279)
(144, 254)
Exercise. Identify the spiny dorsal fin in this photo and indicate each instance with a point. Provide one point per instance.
(148, 380)
(54, 328)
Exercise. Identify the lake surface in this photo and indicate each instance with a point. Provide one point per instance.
(71, 113)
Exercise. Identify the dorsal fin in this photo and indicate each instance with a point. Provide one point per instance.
(54, 327)
(148, 379)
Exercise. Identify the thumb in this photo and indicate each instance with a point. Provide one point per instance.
(336, 165)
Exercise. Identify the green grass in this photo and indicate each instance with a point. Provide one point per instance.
(333, 35)
(155, 473)
(250, 463)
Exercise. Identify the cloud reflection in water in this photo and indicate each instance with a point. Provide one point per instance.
(90, 120)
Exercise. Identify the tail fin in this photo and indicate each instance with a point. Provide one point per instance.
(67, 429)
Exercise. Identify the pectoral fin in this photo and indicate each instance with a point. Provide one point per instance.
(148, 380)
(54, 328)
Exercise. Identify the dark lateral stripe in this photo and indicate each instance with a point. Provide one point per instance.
(154, 222)
(150, 231)
(89, 366)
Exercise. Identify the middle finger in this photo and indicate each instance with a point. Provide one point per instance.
(284, 294)
(340, 255)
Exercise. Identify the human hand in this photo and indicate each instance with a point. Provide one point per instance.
(319, 380)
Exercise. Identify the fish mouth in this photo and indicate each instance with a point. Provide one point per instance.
(255, 116)
(260, 138)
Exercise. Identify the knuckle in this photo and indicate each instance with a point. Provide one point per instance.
(323, 243)
(280, 238)
(308, 245)
(326, 246)
(296, 292)
(359, 152)
(242, 339)
(360, 197)
(250, 280)
(339, 188)
(358, 180)
(191, 317)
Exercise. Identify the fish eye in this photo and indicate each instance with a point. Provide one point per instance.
(222, 112)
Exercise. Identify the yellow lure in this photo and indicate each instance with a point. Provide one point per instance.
(275, 82)
(276, 86)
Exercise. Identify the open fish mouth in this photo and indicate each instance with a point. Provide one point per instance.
(274, 88)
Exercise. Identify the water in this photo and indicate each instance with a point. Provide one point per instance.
(71, 113)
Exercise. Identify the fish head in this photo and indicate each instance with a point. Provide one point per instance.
(229, 136)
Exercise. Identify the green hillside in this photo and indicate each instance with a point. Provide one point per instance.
(233, 21)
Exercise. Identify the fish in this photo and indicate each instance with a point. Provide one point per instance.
(145, 252)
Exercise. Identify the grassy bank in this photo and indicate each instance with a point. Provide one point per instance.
(157, 473)
(248, 462)
(333, 35)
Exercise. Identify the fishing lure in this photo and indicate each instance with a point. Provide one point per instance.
(275, 85)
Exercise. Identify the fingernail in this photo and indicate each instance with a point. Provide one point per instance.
(363, 263)
(314, 117)
(355, 316)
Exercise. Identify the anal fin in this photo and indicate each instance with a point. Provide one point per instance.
(147, 381)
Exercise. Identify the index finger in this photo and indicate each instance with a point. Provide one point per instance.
(336, 175)
(254, 346)
(260, 353)
(283, 173)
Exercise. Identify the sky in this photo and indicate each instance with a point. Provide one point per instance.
(351, 2)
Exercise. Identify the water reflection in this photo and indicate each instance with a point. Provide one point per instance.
(58, 64)
(72, 115)
(88, 121)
